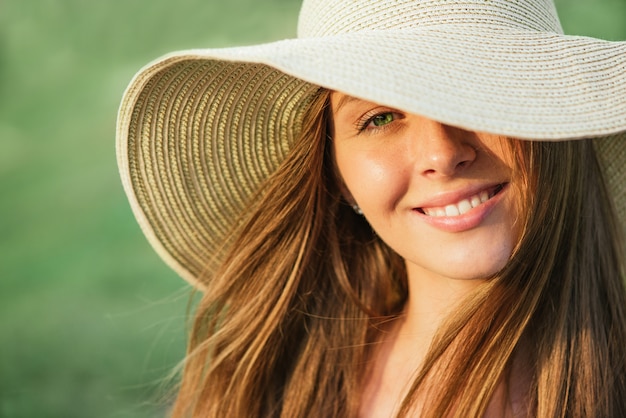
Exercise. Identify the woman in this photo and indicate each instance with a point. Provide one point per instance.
(399, 213)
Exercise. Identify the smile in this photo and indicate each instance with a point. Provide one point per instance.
(463, 206)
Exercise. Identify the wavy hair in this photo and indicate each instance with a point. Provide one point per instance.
(287, 325)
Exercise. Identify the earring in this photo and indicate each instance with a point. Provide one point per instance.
(357, 209)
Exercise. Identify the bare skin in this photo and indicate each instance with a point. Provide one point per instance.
(398, 358)
(414, 179)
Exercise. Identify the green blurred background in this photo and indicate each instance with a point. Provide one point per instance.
(91, 322)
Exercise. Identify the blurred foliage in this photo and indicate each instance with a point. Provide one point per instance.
(91, 321)
(604, 19)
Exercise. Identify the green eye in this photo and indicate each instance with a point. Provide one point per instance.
(378, 119)
(382, 119)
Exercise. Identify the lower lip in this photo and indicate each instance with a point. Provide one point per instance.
(469, 220)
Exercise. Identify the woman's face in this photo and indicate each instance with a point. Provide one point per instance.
(436, 194)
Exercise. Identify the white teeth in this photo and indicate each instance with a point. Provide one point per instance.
(459, 208)
(452, 210)
(464, 206)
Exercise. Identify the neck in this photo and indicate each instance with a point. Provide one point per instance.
(431, 299)
(405, 342)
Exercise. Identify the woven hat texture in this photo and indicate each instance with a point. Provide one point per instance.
(200, 130)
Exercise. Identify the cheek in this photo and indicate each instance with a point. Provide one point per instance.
(371, 178)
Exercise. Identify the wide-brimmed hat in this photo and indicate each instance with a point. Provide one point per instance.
(200, 130)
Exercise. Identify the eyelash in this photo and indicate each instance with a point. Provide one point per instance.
(363, 124)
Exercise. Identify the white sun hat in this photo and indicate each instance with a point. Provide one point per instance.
(200, 130)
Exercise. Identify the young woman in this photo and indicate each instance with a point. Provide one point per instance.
(414, 209)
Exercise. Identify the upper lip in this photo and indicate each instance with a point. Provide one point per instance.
(445, 198)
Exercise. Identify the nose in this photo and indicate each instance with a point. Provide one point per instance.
(442, 150)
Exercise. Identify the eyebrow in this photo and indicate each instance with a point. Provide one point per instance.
(345, 100)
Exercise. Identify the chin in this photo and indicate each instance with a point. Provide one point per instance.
(476, 270)
(470, 265)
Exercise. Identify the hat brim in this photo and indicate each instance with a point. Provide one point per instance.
(523, 84)
(199, 130)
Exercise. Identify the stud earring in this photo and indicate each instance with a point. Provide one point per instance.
(357, 209)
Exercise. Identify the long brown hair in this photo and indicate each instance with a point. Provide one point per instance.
(562, 293)
(285, 327)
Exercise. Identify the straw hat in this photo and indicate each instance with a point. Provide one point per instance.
(199, 130)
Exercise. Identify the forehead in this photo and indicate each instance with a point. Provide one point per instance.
(341, 102)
